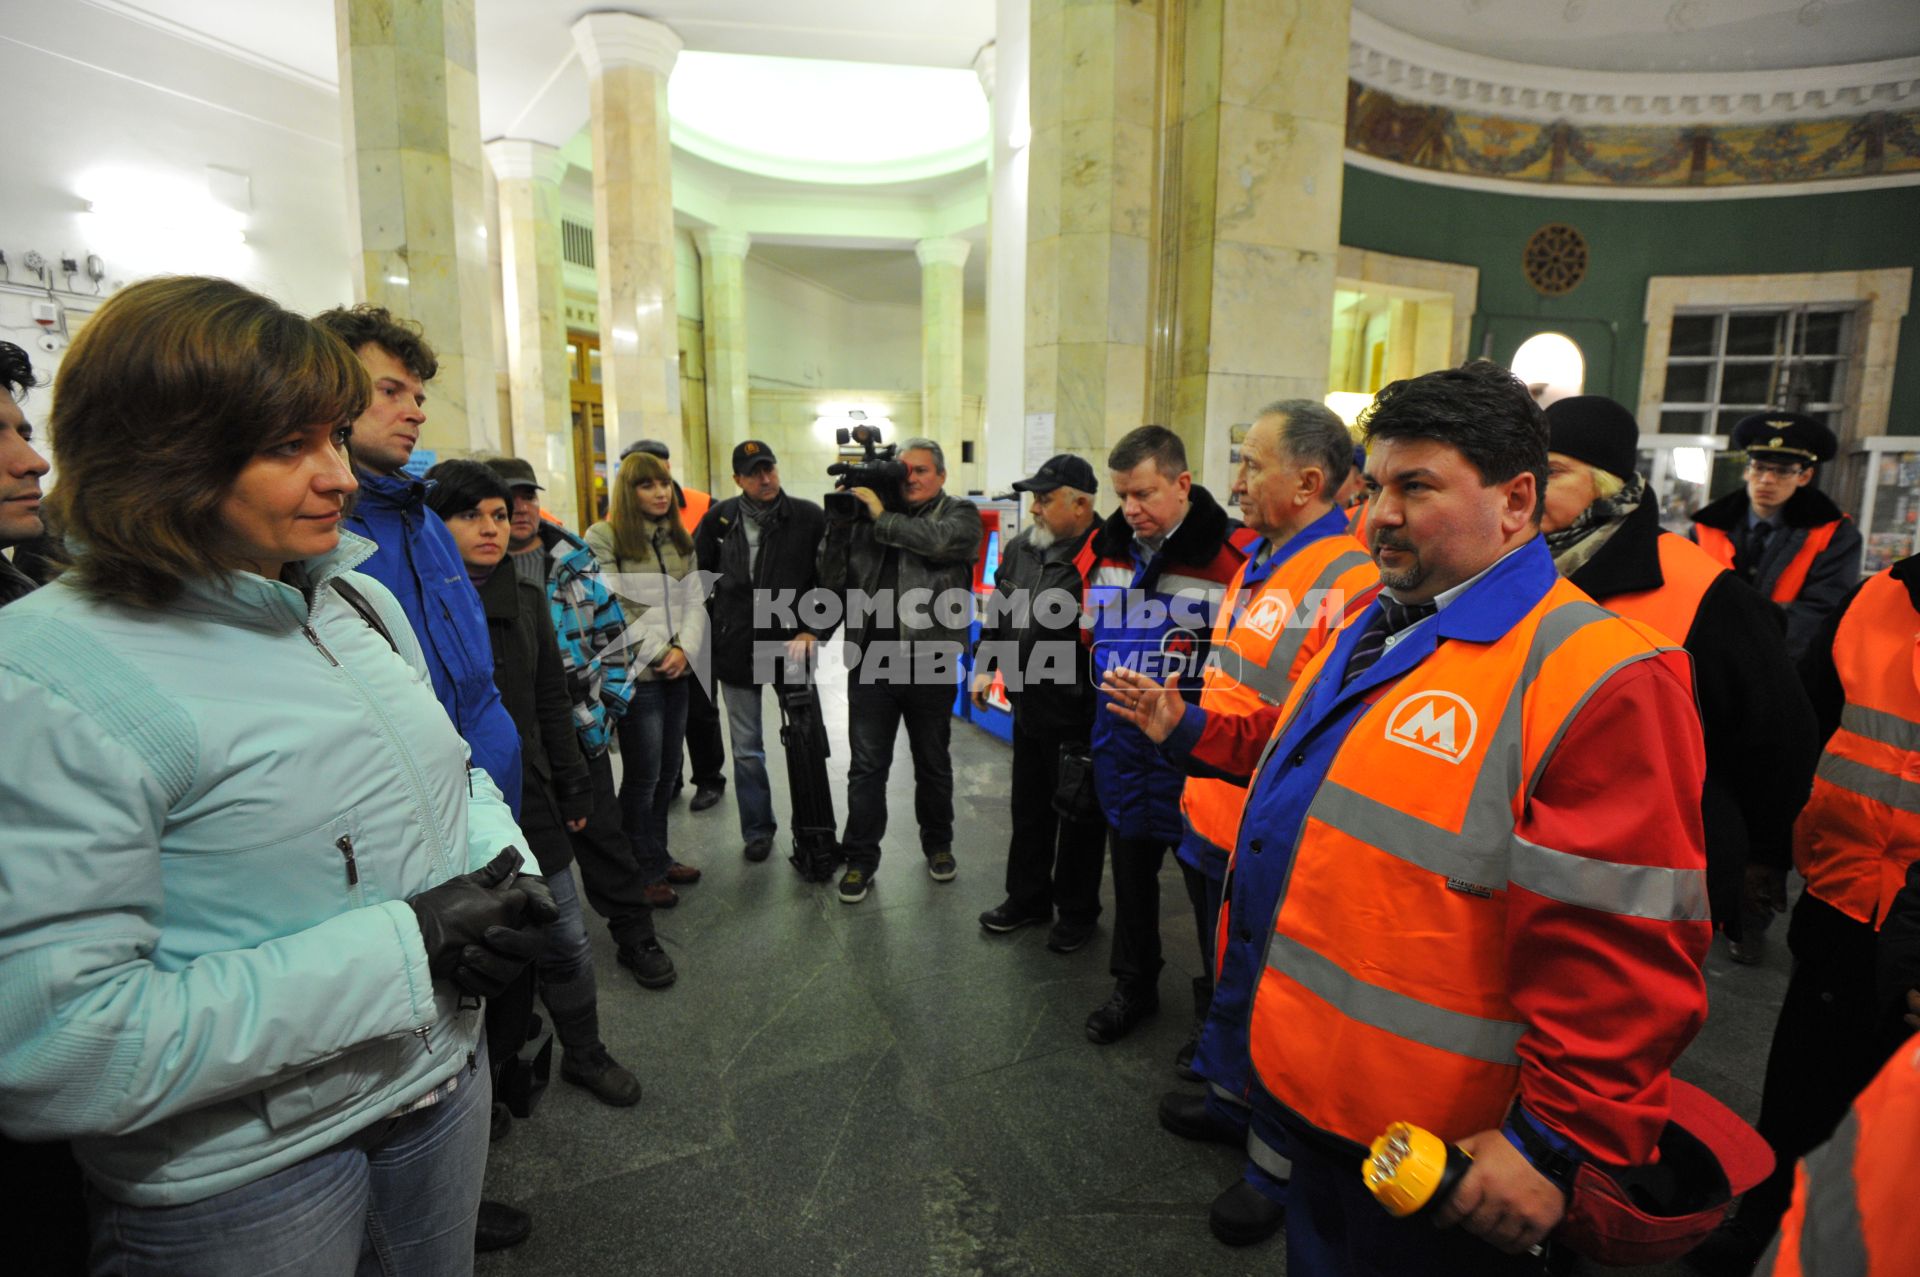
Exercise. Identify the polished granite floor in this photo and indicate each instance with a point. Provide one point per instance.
(883, 1088)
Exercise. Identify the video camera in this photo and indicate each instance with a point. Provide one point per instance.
(879, 468)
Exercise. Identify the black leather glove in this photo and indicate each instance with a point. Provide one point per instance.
(487, 968)
(459, 911)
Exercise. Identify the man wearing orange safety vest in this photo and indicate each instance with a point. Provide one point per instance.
(1603, 526)
(1785, 537)
(1852, 1213)
(1854, 843)
(1301, 580)
(1471, 861)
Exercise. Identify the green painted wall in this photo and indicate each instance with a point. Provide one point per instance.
(1628, 242)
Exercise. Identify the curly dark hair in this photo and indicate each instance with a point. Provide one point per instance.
(358, 325)
(1480, 408)
(16, 370)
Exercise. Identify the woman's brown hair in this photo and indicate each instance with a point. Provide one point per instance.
(632, 527)
(167, 393)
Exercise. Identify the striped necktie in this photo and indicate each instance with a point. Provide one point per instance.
(1394, 617)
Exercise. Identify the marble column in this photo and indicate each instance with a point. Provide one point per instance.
(417, 222)
(1089, 218)
(1254, 157)
(723, 305)
(1002, 68)
(628, 59)
(529, 175)
(942, 341)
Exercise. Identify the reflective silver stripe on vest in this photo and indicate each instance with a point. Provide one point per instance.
(1831, 1244)
(1878, 725)
(1179, 583)
(1267, 1157)
(1225, 1096)
(1494, 1041)
(1480, 851)
(1637, 891)
(1868, 782)
(1271, 681)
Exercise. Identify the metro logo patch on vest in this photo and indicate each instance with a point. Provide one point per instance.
(1439, 723)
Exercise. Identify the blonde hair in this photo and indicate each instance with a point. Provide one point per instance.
(633, 527)
(1606, 484)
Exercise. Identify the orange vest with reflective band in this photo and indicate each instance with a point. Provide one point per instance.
(1254, 659)
(1861, 828)
(1686, 574)
(1357, 522)
(1787, 588)
(693, 508)
(1852, 1209)
(1399, 1010)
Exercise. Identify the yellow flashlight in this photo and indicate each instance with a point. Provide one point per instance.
(1409, 1170)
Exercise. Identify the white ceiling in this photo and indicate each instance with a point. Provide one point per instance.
(1663, 35)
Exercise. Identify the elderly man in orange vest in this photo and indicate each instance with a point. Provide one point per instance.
(1301, 580)
(1782, 535)
(1472, 859)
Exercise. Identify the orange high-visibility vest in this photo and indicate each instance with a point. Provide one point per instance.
(1787, 588)
(1686, 574)
(1852, 1209)
(693, 508)
(1861, 828)
(1255, 657)
(1354, 1029)
(1357, 522)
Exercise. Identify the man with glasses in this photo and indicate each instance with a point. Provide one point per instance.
(1781, 534)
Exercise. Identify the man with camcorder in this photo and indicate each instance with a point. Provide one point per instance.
(904, 564)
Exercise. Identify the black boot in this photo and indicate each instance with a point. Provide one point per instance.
(500, 1226)
(584, 1060)
(1242, 1215)
(1202, 999)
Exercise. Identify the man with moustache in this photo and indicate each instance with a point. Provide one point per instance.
(1471, 861)
(1030, 636)
(1304, 578)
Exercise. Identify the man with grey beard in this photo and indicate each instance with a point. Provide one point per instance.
(1030, 636)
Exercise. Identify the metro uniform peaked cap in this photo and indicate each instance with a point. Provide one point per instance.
(1792, 435)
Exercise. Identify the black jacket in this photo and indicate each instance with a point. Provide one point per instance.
(532, 679)
(1762, 743)
(14, 584)
(1831, 578)
(1032, 644)
(789, 545)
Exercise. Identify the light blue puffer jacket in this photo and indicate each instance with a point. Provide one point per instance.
(193, 985)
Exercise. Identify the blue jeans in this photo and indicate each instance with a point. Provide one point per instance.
(568, 954)
(652, 736)
(752, 791)
(399, 1199)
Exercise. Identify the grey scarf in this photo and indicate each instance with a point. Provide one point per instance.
(1575, 544)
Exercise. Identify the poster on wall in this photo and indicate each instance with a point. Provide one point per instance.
(1039, 441)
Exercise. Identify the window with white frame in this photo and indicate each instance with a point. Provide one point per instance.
(1723, 364)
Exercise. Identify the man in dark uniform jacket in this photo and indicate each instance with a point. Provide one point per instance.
(1785, 537)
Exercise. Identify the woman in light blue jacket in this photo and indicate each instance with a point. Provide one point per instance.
(249, 884)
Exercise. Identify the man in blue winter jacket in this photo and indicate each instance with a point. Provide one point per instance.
(416, 557)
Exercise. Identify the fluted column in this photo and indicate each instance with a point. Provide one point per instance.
(628, 59)
(723, 303)
(417, 206)
(529, 176)
(942, 340)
